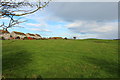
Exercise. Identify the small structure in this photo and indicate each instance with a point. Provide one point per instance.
(5, 34)
(29, 35)
(37, 36)
(18, 34)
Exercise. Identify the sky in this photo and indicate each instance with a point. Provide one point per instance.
(73, 19)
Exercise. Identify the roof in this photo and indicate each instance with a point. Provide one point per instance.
(2, 31)
(38, 35)
(19, 33)
(31, 34)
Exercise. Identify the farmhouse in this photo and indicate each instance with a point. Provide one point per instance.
(18, 34)
(5, 34)
(29, 35)
(37, 36)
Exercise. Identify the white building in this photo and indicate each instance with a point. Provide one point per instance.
(5, 34)
(30, 35)
(37, 36)
(18, 34)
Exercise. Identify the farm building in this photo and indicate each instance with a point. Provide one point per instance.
(18, 34)
(5, 34)
(29, 35)
(37, 36)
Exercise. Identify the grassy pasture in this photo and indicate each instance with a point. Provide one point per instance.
(60, 58)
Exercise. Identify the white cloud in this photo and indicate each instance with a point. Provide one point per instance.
(103, 29)
(37, 29)
(75, 24)
(99, 29)
(36, 25)
(79, 36)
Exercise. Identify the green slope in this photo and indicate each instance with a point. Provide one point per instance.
(60, 58)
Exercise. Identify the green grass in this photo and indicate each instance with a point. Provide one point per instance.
(60, 58)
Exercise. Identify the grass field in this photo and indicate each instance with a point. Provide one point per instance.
(60, 58)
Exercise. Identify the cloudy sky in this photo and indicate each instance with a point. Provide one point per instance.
(69, 19)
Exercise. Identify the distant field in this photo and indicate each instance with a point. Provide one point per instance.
(60, 58)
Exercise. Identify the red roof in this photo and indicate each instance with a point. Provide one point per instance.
(19, 33)
(2, 31)
(38, 35)
(31, 34)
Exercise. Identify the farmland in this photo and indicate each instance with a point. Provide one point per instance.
(60, 58)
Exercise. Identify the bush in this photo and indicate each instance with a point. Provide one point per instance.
(25, 38)
(2, 38)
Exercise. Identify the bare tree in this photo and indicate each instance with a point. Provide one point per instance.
(12, 23)
(12, 8)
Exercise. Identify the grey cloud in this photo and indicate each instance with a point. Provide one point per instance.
(96, 18)
(71, 11)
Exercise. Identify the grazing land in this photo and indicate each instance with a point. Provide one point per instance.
(90, 58)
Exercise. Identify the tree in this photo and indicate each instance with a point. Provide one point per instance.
(17, 8)
(74, 38)
(65, 38)
(12, 23)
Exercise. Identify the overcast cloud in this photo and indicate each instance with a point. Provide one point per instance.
(97, 18)
(98, 11)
